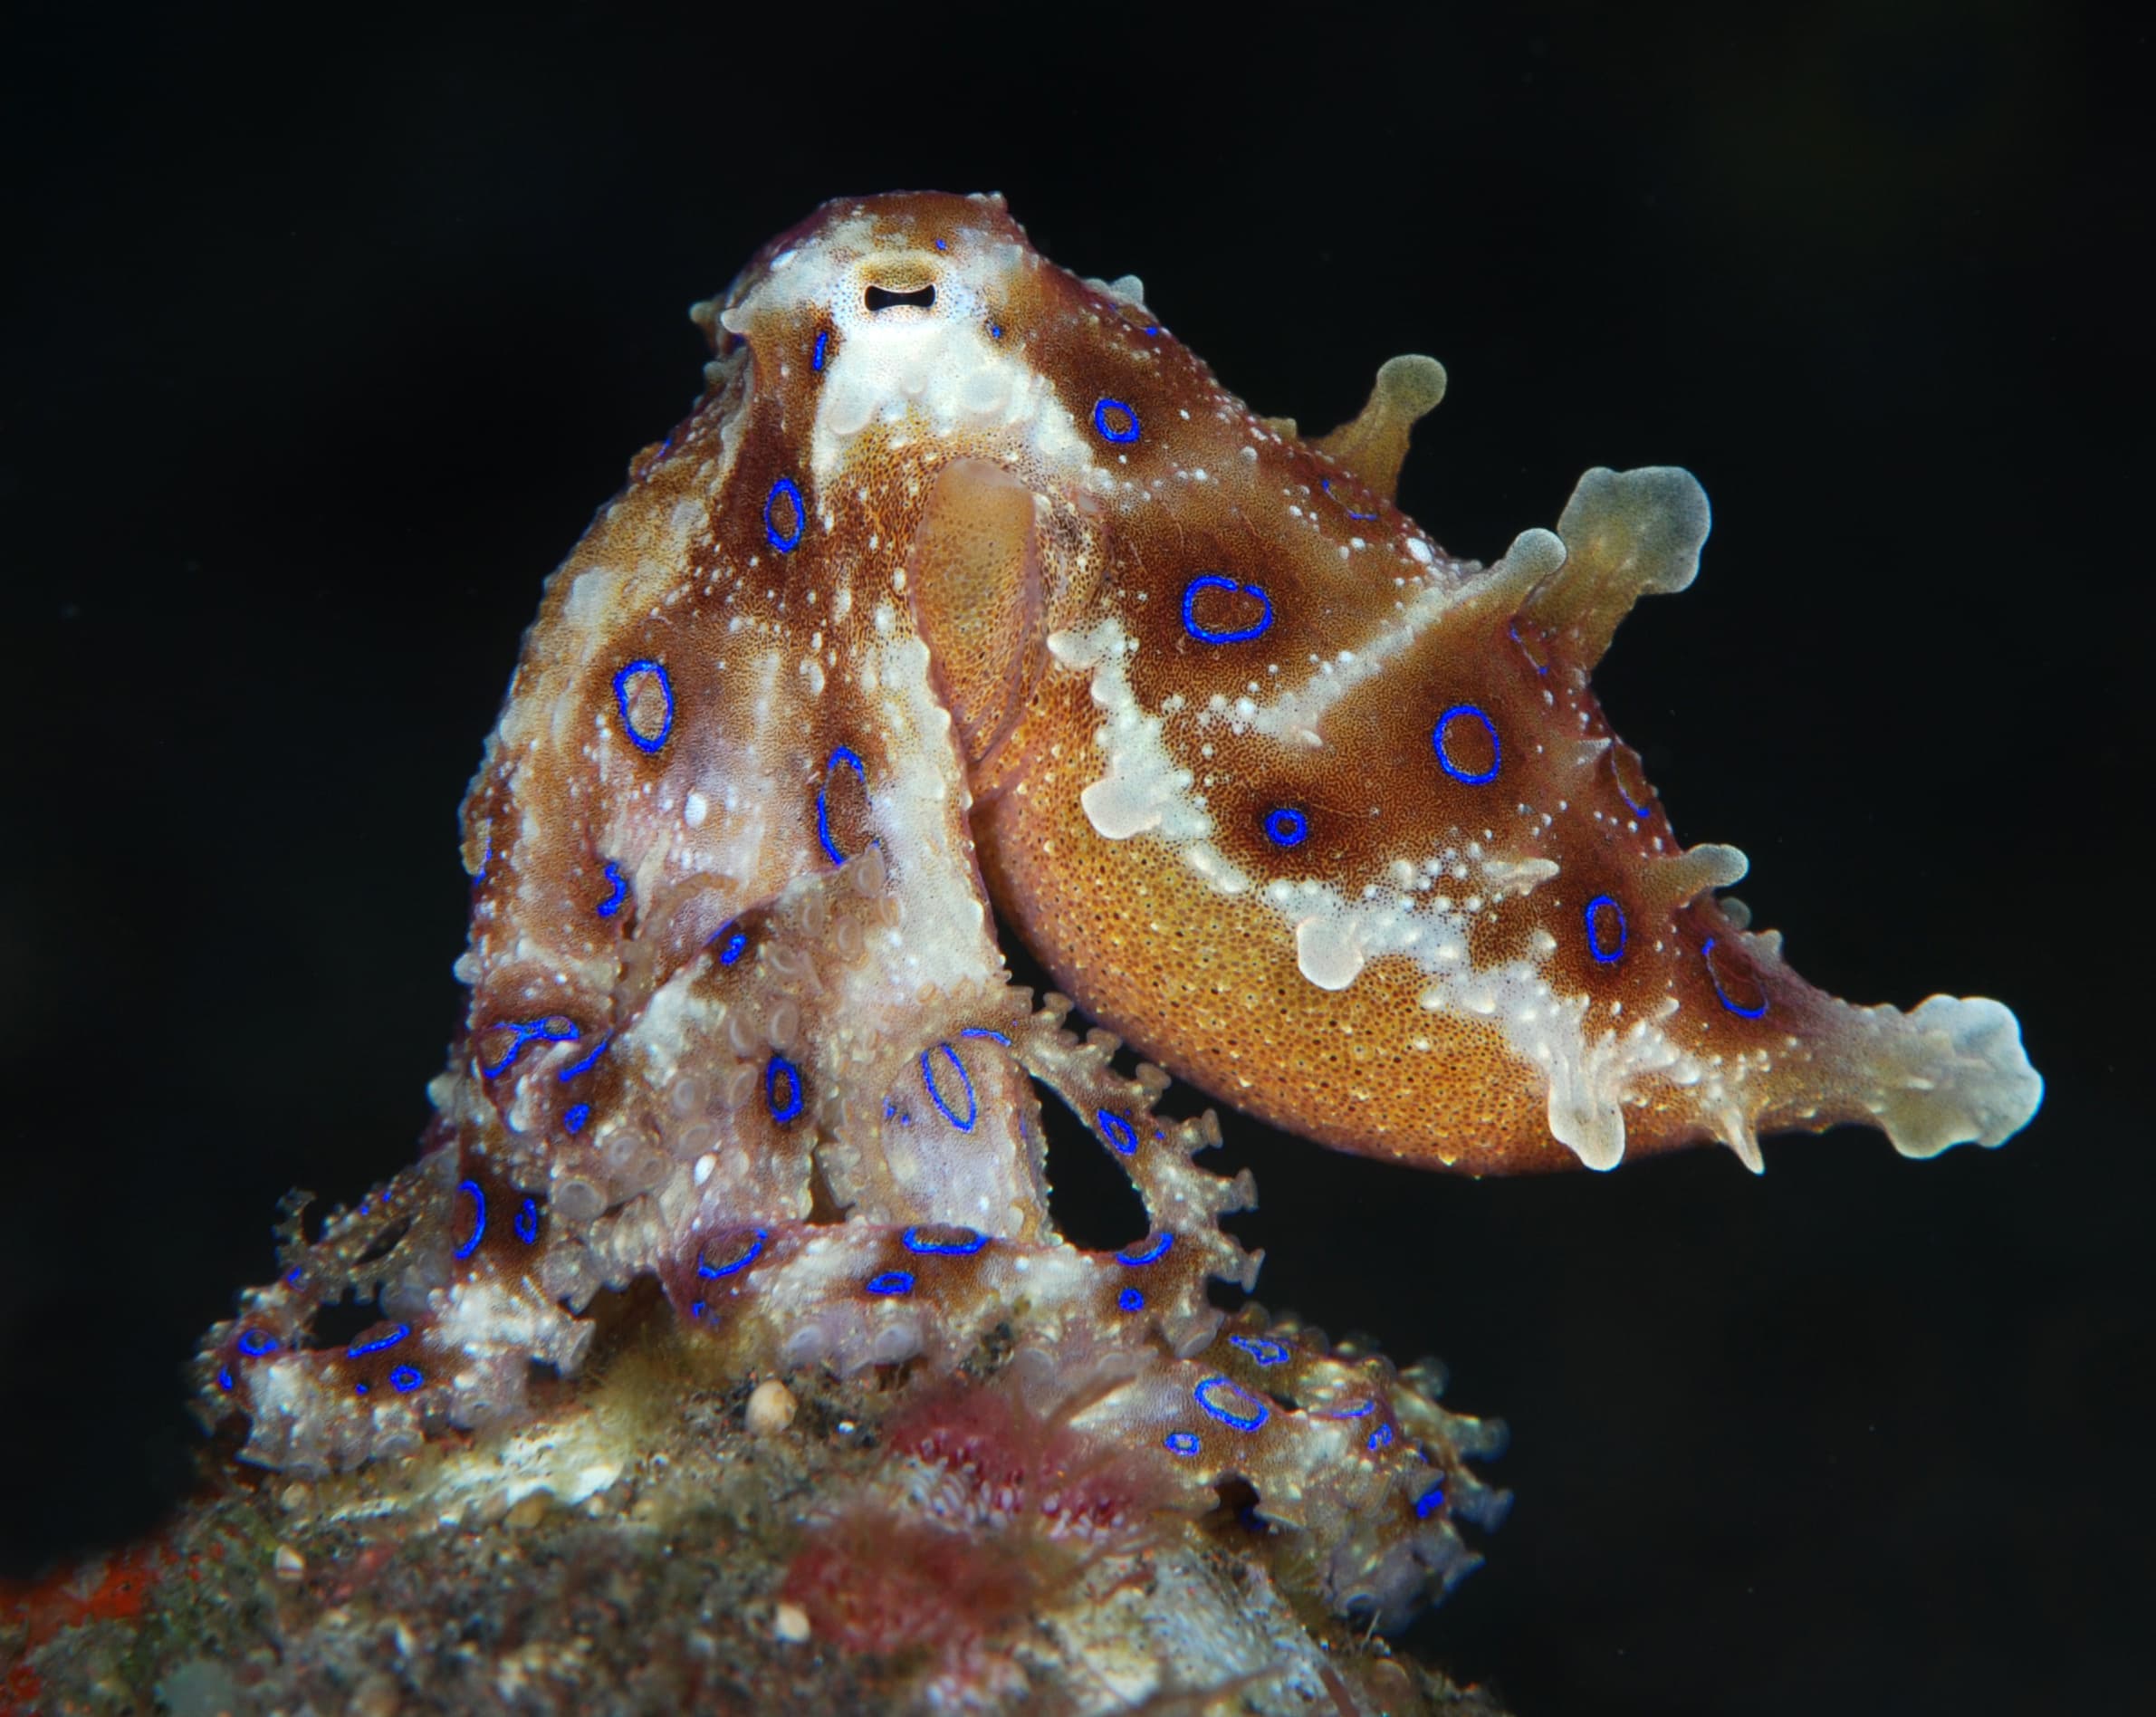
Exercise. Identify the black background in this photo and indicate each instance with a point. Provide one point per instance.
(323, 338)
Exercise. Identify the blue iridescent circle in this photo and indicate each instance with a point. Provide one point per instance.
(892, 1281)
(1217, 581)
(1722, 995)
(970, 1242)
(785, 543)
(622, 675)
(574, 1117)
(255, 1343)
(1326, 484)
(1445, 760)
(1102, 407)
(972, 1110)
(1181, 1443)
(406, 1379)
(527, 1220)
(360, 1349)
(1430, 1501)
(983, 1031)
(781, 1069)
(1266, 1352)
(548, 1031)
(224, 1377)
(1131, 1299)
(713, 1272)
(1151, 1252)
(1231, 1405)
(584, 1064)
(816, 357)
(478, 1220)
(1596, 946)
(843, 754)
(612, 903)
(1287, 826)
(732, 940)
(1118, 1132)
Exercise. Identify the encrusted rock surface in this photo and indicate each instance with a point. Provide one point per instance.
(629, 1549)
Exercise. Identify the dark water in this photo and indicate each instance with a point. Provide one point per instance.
(320, 345)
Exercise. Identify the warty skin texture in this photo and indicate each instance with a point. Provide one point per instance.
(965, 580)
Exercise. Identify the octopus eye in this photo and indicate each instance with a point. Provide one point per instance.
(882, 298)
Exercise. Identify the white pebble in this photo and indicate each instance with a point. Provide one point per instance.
(770, 1409)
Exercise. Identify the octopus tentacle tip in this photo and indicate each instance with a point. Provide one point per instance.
(964, 599)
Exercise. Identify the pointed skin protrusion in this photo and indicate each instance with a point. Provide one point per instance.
(1626, 535)
(1374, 446)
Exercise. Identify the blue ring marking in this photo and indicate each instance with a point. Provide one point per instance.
(1594, 936)
(1721, 994)
(1326, 484)
(292, 1277)
(785, 544)
(1155, 1250)
(816, 357)
(478, 1220)
(1217, 581)
(360, 1349)
(1118, 1132)
(941, 245)
(755, 1251)
(1430, 1501)
(359, 1388)
(1131, 1299)
(697, 1307)
(255, 1343)
(983, 1032)
(972, 1110)
(1264, 1351)
(892, 1281)
(527, 1031)
(1287, 826)
(527, 1220)
(584, 1066)
(644, 665)
(995, 330)
(823, 818)
(1101, 407)
(777, 1068)
(972, 1243)
(612, 903)
(406, 1379)
(736, 940)
(1181, 1443)
(225, 1376)
(1204, 1396)
(1446, 763)
(1381, 1438)
(1361, 1410)
(574, 1117)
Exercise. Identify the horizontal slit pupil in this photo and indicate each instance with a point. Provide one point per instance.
(880, 298)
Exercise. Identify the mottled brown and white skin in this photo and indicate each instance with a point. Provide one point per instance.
(965, 581)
